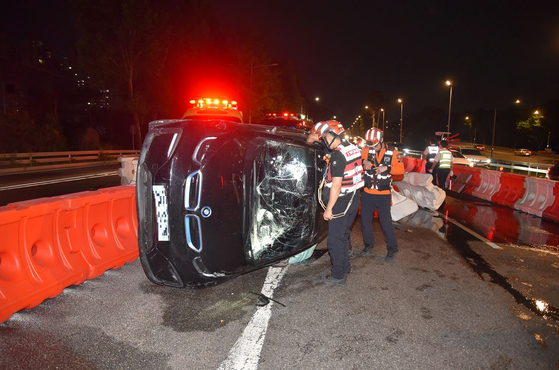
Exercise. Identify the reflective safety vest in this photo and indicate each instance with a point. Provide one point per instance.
(445, 159)
(381, 181)
(433, 150)
(353, 172)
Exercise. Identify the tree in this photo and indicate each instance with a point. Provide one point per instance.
(533, 129)
(375, 101)
(470, 126)
(127, 44)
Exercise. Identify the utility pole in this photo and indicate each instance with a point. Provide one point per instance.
(493, 139)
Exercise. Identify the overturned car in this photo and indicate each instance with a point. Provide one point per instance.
(217, 199)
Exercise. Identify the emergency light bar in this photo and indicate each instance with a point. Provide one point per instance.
(207, 103)
(283, 115)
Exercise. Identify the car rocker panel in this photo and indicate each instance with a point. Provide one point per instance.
(217, 199)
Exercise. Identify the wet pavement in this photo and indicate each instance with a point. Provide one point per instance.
(449, 300)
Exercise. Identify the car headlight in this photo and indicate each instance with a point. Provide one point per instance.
(488, 161)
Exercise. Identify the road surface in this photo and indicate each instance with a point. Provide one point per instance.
(450, 300)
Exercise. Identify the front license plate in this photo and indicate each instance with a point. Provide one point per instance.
(161, 213)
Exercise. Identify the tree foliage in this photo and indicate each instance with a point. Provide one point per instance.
(159, 55)
(20, 133)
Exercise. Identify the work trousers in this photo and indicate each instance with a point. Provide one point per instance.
(381, 202)
(442, 174)
(339, 230)
(428, 166)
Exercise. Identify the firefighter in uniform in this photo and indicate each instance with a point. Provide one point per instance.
(444, 161)
(340, 195)
(429, 156)
(380, 162)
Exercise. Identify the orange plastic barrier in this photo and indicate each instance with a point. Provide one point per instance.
(511, 190)
(52, 243)
(410, 164)
(538, 196)
(474, 182)
(489, 184)
(552, 212)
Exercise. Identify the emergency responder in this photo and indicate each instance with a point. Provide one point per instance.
(429, 156)
(443, 160)
(380, 162)
(340, 195)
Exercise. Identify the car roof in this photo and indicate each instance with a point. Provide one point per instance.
(225, 114)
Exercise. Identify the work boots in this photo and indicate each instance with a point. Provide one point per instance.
(390, 256)
(330, 280)
(365, 252)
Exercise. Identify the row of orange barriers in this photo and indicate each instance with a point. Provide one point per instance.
(51, 243)
(535, 196)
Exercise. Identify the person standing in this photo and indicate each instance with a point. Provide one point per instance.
(443, 160)
(429, 157)
(340, 195)
(380, 162)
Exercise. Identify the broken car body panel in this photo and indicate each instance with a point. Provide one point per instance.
(217, 199)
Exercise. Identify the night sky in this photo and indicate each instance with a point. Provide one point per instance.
(493, 51)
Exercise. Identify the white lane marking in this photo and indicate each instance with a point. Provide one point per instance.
(57, 181)
(472, 232)
(245, 354)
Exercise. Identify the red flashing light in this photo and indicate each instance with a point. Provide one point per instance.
(208, 103)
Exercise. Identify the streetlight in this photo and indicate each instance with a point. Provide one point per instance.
(317, 98)
(252, 66)
(494, 124)
(448, 83)
(382, 110)
(401, 118)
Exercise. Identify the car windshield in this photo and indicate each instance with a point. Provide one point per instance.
(457, 154)
(471, 152)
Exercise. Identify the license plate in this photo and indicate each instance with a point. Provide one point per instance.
(161, 213)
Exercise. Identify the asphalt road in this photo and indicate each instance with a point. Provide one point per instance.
(507, 155)
(449, 301)
(39, 184)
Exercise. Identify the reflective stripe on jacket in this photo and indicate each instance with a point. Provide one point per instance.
(353, 171)
(381, 181)
(445, 160)
(433, 150)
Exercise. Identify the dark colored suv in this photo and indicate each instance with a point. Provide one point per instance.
(217, 199)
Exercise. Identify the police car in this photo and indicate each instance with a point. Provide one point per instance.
(214, 109)
(217, 198)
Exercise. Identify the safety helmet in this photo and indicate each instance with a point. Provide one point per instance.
(374, 135)
(322, 128)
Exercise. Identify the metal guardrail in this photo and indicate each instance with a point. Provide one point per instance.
(17, 162)
(524, 168)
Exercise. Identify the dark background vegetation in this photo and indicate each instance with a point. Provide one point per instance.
(134, 61)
